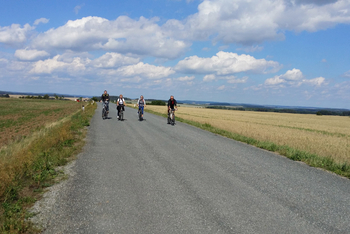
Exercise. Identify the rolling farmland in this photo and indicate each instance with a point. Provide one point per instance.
(19, 118)
(326, 136)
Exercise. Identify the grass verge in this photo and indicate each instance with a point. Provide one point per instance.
(313, 160)
(28, 166)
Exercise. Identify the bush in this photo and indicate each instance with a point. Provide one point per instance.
(158, 103)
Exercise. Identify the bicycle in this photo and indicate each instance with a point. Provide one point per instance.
(121, 113)
(140, 114)
(171, 117)
(104, 110)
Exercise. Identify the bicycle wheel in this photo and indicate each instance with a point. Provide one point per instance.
(121, 117)
(103, 113)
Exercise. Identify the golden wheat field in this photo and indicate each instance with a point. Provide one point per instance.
(327, 136)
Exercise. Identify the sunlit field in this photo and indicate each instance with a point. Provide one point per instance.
(21, 117)
(326, 136)
(36, 136)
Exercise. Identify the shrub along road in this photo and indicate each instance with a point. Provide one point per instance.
(150, 177)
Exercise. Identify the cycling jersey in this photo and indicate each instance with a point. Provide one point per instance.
(120, 101)
(141, 102)
(104, 97)
(172, 103)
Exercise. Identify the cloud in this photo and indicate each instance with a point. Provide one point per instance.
(185, 78)
(41, 20)
(14, 34)
(250, 49)
(141, 70)
(114, 60)
(222, 87)
(346, 74)
(30, 54)
(255, 21)
(238, 81)
(230, 79)
(225, 63)
(294, 78)
(142, 37)
(55, 65)
(77, 8)
(315, 2)
(210, 77)
(315, 82)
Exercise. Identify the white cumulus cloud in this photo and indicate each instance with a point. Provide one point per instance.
(110, 60)
(293, 77)
(144, 70)
(185, 78)
(41, 20)
(225, 63)
(14, 34)
(142, 37)
(51, 65)
(255, 21)
(30, 54)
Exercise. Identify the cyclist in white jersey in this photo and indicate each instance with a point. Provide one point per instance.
(120, 104)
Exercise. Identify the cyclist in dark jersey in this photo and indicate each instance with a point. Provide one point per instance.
(172, 104)
(105, 97)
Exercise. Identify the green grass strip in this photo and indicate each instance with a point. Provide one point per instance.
(312, 160)
(40, 172)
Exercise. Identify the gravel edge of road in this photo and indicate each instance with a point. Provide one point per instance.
(42, 208)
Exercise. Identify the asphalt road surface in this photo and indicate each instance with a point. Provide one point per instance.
(150, 177)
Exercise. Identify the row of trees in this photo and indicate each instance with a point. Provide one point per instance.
(46, 96)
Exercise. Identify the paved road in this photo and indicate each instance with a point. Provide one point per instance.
(150, 177)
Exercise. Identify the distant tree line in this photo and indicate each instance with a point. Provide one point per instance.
(157, 103)
(46, 96)
(5, 95)
(328, 112)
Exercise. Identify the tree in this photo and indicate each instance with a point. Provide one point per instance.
(95, 99)
(46, 96)
(158, 103)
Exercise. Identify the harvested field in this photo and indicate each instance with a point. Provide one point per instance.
(326, 136)
(20, 117)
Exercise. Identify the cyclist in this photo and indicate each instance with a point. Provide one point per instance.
(172, 104)
(120, 104)
(141, 103)
(105, 97)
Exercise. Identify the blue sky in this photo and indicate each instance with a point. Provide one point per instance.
(272, 52)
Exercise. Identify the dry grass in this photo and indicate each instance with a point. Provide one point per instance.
(20, 117)
(326, 136)
(28, 164)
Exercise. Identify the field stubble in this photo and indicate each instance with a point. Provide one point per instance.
(19, 118)
(326, 136)
(27, 164)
